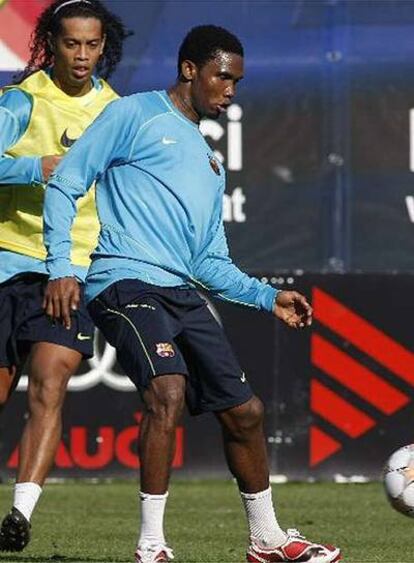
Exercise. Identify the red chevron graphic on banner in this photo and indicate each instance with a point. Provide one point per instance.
(321, 445)
(354, 376)
(336, 410)
(363, 335)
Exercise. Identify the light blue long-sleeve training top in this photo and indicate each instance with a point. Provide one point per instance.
(159, 197)
(15, 113)
(15, 110)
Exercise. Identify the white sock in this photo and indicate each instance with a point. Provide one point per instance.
(152, 518)
(26, 496)
(263, 526)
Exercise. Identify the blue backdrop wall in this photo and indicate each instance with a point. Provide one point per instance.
(320, 139)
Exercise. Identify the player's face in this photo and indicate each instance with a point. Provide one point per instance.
(214, 84)
(76, 52)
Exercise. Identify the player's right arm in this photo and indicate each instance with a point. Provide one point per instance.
(216, 272)
(107, 142)
(15, 112)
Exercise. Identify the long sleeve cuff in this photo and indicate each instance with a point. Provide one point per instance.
(37, 174)
(59, 268)
(23, 170)
(267, 298)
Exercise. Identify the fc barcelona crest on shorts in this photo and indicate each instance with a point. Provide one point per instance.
(165, 350)
(214, 165)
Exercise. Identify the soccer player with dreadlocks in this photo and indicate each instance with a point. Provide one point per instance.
(53, 101)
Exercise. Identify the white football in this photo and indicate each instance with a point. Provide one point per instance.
(399, 480)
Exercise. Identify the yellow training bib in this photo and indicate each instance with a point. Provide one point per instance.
(56, 121)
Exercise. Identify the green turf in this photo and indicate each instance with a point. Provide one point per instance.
(87, 522)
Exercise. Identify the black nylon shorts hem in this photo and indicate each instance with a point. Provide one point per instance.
(87, 352)
(219, 407)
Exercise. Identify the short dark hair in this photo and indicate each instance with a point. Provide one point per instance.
(202, 43)
(50, 21)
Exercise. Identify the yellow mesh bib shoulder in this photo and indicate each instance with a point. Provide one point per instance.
(56, 121)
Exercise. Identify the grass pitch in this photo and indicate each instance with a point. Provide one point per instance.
(84, 522)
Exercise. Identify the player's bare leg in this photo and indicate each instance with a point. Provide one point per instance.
(50, 367)
(164, 403)
(245, 446)
(245, 449)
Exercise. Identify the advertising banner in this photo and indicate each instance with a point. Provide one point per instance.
(345, 389)
(338, 397)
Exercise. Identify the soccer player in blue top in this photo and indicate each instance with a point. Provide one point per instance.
(159, 197)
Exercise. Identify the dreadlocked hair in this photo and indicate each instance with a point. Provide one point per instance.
(50, 22)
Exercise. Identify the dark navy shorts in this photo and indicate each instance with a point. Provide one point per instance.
(158, 331)
(23, 320)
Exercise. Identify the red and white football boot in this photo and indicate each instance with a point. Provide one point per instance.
(297, 549)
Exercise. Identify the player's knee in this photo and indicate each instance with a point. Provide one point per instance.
(166, 404)
(46, 395)
(47, 387)
(255, 411)
(169, 406)
(250, 415)
(241, 421)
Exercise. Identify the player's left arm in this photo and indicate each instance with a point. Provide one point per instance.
(216, 272)
(105, 143)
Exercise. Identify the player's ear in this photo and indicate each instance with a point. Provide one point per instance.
(102, 45)
(188, 70)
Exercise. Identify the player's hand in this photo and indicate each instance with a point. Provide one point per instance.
(49, 163)
(61, 298)
(293, 308)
